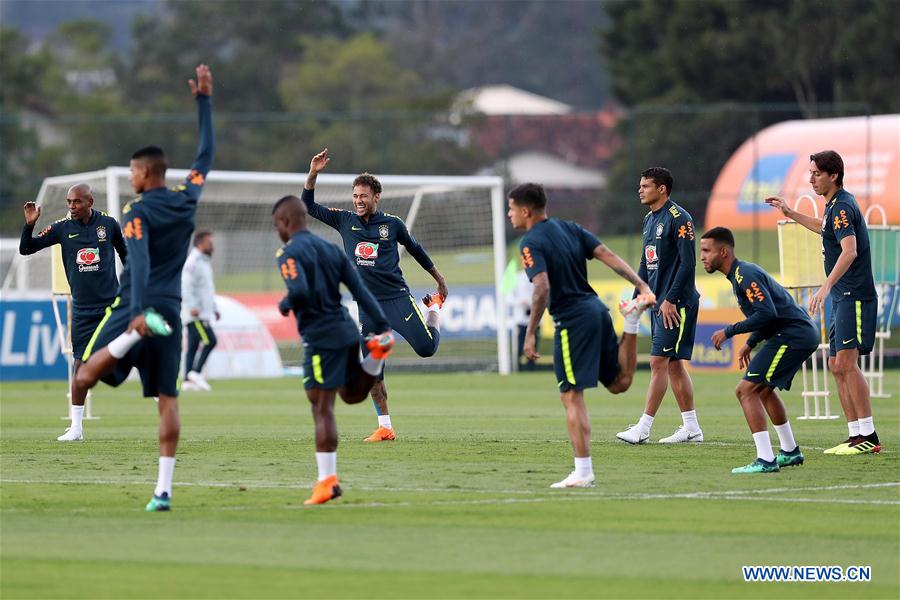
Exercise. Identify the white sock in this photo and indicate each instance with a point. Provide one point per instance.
(77, 415)
(689, 418)
(583, 466)
(853, 426)
(786, 436)
(120, 346)
(764, 445)
(384, 421)
(372, 366)
(632, 321)
(866, 426)
(327, 463)
(645, 423)
(166, 469)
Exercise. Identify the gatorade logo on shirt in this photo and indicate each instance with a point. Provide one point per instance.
(651, 256)
(88, 259)
(366, 253)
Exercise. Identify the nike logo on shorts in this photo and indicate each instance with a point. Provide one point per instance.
(668, 349)
(356, 228)
(753, 374)
(409, 317)
(71, 235)
(847, 341)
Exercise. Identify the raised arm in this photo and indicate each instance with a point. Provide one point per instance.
(814, 224)
(202, 89)
(48, 236)
(329, 216)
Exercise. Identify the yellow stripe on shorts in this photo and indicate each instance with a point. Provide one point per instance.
(775, 361)
(680, 331)
(421, 318)
(317, 368)
(202, 331)
(859, 322)
(567, 357)
(93, 340)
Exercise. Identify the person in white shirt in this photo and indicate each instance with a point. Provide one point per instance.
(198, 309)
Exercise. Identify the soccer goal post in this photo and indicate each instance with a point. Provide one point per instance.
(460, 221)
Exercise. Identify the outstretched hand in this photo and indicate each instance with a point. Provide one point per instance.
(319, 162)
(32, 213)
(779, 203)
(204, 83)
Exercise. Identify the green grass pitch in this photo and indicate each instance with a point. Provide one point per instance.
(459, 506)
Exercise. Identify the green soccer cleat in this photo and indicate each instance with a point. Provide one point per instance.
(794, 458)
(159, 503)
(758, 466)
(156, 324)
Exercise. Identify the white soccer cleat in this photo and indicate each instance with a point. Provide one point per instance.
(71, 435)
(188, 386)
(573, 481)
(198, 380)
(682, 436)
(634, 435)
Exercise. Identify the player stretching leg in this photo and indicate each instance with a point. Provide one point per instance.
(668, 263)
(791, 338)
(371, 239)
(555, 255)
(157, 227)
(86, 239)
(849, 282)
(313, 270)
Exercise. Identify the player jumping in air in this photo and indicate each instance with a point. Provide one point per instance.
(313, 270)
(790, 338)
(136, 330)
(668, 263)
(851, 286)
(87, 238)
(371, 238)
(585, 350)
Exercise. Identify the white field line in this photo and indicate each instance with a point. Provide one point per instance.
(566, 495)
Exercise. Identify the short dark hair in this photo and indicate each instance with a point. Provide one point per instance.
(200, 236)
(721, 235)
(531, 195)
(830, 162)
(155, 159)
(282, 200)
(660, 176)
(369, 180)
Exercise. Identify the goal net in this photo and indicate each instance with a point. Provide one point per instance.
(460, 221)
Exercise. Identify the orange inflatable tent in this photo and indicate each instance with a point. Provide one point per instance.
(776, 162)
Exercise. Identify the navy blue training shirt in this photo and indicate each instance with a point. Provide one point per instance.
(843, 219)
(313, 270)
(88, 257)
(561, 249)
(158, 225)
(372, 245)
(669, 257)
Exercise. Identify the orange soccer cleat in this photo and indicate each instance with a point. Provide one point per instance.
(380, 346)
(325, 490)
(430, 299)
(382, 434)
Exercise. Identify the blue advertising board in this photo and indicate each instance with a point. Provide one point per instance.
(29, 343)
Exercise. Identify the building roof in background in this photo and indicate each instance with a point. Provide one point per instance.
(509, 100)
(551, 171)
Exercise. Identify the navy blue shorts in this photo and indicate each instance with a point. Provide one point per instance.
(853, 326)
(405, 317)
(157, 359)
(330, 369)
(82, 328)
(779, 359)
(678, 342)
(585, 349)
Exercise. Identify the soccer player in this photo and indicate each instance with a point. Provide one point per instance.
(87, 238)
(313, 270)
(851, 286)
(157, 227)
(198, 309)
(585, 350)
(371, 239)
(790, 338)
(668, 264)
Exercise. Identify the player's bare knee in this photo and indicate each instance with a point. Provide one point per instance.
(621, 384)
(659, 363)
(843, 364)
